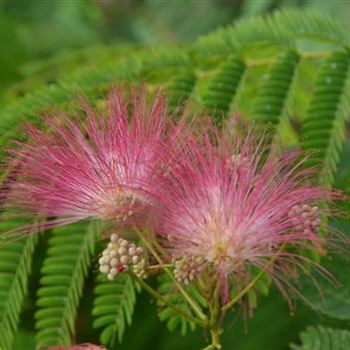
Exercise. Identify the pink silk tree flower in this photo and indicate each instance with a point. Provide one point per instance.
(233, 205)
(101, 168)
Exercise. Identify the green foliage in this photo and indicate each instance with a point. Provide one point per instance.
(273, 93)
(332, 298)
(261, 287)
(324, 127)
(180, 88)
(113, 307)
(322, 338)
(173, 296)
(283, 28)
(15, 267)
(65, 268)
(332, 295)
(222, 87)
(34, 104)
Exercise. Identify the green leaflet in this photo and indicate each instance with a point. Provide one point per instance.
(222, 88)
(113, 307)
(323, 131)
(331, 297)
(174, 321)
(15, 267)
(180, 87)
(273, 93)
(68, 261)
(322, 338)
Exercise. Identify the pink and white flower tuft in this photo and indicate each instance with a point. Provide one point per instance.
(102, 167)
(233, 204)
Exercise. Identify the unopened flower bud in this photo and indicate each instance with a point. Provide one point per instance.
(188, 269)
(121, 255)
(135, 259)
(114, 262)
(304, 218)
(122, 250)
(132, 251)
(124, 243)
(114, 238)
(139, 250)
(104, 268)
(124, 259)
(113, 271)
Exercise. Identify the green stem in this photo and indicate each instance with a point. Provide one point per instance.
(193, 304)
(215, 338)
(215, 331)
(210, 347)
(156, 295)
(158, 266)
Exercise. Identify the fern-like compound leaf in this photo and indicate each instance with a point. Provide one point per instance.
(15, 267)
(324, 128)
(282, 28)
(180, 87)
(323, 338)
(222, 87)
(275, 87)
(113, 307)
(65, 268)
(170, 292)
(330, 298)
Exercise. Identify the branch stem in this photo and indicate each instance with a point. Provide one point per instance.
(192, 303)
(156, 295)
(215, 331)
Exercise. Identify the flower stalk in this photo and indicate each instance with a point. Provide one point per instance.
(156, 295)
(192, 303)
(214, 321)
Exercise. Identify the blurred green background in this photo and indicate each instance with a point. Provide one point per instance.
(39, 38)
(42, 39)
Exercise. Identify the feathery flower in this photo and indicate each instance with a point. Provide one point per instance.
(232, 204)
(101, 168)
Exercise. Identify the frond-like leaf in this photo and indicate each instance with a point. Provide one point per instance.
(15, 267)
(328, 298)
(222, 87)
(322, 338)
(173, 296)
(273, 93)
(324, 127)
(113, 307)
(283, 28)
(180, 87)
(65, 268)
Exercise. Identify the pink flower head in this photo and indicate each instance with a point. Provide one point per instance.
(232, 204)
(102, 167)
